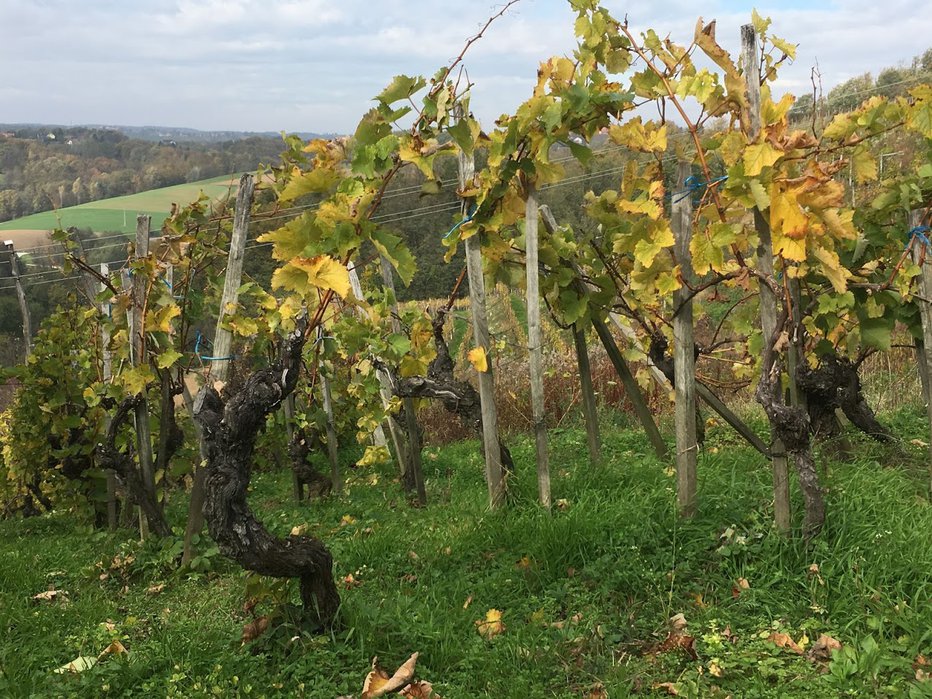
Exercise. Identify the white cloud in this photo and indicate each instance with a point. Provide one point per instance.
(314, 64)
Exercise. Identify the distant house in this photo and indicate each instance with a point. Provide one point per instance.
(7, 134)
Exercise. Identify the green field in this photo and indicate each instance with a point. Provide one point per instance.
(119, 213)
(586, 593)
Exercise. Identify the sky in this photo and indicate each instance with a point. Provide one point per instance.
(314, 65)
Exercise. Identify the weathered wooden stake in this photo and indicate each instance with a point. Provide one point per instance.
(332, 452)
(493, 460)
(21, 296)
(535, 352)
(414, 470)
(684, 347)
(590, 411)
(768, 301)
(386, 392)
(107, 375)
(140, 283)
(223, 339)
(632, 390)
(922, 253)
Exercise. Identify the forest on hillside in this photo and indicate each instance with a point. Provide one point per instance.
(59, 167)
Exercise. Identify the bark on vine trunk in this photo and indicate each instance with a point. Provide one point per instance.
(109, 457)
(458, 397)
(835, 384)
(791, 426)
(230, 428)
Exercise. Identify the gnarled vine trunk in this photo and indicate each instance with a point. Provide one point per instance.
(230, 428)
(791, 425)
(835, 383)
(458, 397)
(109, 457)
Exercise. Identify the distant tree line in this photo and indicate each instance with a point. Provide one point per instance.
(46, 169)
(890, 82)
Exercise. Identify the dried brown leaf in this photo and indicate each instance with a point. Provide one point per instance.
(419, 690)
(823, 647)
(51, 596)
(669, 687)
(782, 640)
(378, 683)
(254, 629)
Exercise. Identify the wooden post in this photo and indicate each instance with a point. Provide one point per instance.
(632, 390)
(590, 411)
(90, 283)
(493, 460)
(414, 470)
(223, 339)
(140, 282)
(331, 435)
(297, 486)
(768, 301)
(588, 394)
(922, 253)
(21, 296)
(195, 521)
(385, 391)
(684, 347)
(535, 359)
(107, 374)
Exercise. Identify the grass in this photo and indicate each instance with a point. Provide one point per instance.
(119, 213)
(586, 593)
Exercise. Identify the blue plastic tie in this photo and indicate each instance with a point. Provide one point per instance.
(457, 226)
(197, 351)
(919, 232)
(693, 184)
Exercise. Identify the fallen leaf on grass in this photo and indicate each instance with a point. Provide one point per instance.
(740, 585)
(715, 669)
(299, 530)
(254, 629)
(115, 648)
(597, 692)
(378, 683)
(492, 625)
(669, 687)
(419, 690)
(920, 666)
(823, 647)
(51, 596)
(350, 582)
(782, 640)
(467, 602)
(79, 664)
(678, 622)
(155, 589)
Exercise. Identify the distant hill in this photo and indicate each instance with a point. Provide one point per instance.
(180, 134)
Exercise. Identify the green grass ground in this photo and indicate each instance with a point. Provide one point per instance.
(119, 213)
(586, 593)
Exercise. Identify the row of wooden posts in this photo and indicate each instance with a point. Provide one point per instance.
(406, 442)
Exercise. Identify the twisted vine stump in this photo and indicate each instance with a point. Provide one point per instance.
(303, 442)
(121, 463)
(458, 397)
(835, 384)
(230, 428)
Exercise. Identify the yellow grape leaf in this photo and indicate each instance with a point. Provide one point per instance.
(321, 272)
(864, 165)
(478, 358)
(491, 625)
(646, 250)
(646, 138)
(832, 268)
(374, 455)
(786, 216)
(759, 156)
